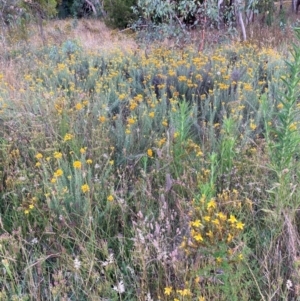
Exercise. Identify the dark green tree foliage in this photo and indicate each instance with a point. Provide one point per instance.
(119, 12)
(78, 8)
(64, 8)
(73, 8)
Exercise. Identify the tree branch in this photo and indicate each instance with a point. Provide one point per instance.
(91, 6)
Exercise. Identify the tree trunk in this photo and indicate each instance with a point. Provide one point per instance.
(249, 16)
(294, 5)
(239, 7)
(40, 25)
(242, 25)
(297, 6)
(220, 13)
(91, 5)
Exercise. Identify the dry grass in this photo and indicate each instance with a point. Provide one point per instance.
(93, 35)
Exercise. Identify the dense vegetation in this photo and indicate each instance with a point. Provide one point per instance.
(121, 14)
(153, 173)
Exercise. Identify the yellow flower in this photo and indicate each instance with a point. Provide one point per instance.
(221, 216)
(211, 204)
(184, 292)
(216, 222)
(37, 164)
(232, 219)
(85, 188)
(196, 223)
(168, 290)
(240, 225)
(39, 156)
(57, 155)
(68, 137)
(206, 218)
(102, 119)
(111, 162)
(247, 87)
(53, 180)
(152, 114)
(240, 257)
(161, 142)
(26, 211)
(172, 72)
(77, 164)
(219, 260)
(110, 198)
(253, 126)
(82, 150)
(182, 78)
(78, 106)
(229, 237)
(131, 120)
(164, 123)
(293, 126)
(210, 234)
(127, 131)
(133, 105)
(58, 173)
(199, 154)
(89, 161)
(31, 206)
(122, 96)
(150, 152)
(138, 98)
(198, 237)
(280, 106)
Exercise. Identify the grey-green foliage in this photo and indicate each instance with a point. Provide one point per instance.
(155, 10)
(168, 11)
(171, 19)
(69, 47)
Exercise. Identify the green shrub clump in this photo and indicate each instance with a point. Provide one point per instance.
(119, 12)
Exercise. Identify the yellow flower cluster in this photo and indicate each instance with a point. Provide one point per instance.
(58, 173)
(29, 205)
(186, 292)
(212, 223)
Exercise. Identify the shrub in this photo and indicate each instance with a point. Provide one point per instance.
(79, 8)
(119, 12)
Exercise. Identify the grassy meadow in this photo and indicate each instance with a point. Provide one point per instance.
(167, 174)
